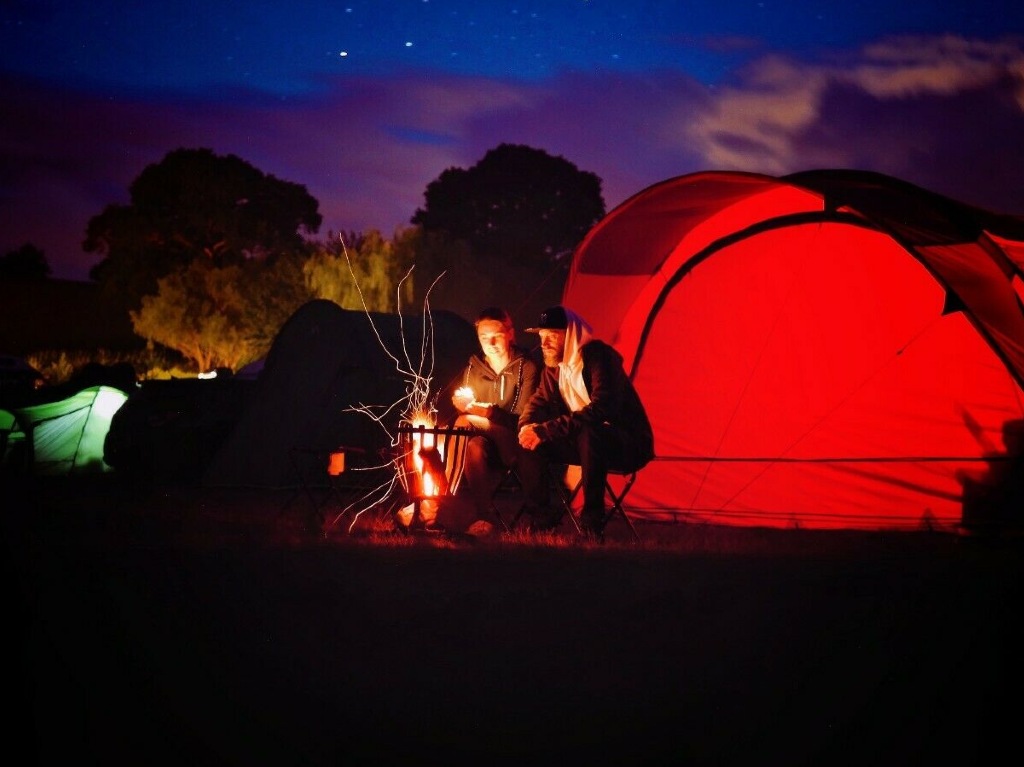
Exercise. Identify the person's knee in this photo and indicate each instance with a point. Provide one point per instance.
(476, 451)
(591, 434)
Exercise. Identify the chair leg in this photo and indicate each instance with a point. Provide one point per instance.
(505, 526)
(517, 517)
(510, 476)
(567, 496)
(617, 501)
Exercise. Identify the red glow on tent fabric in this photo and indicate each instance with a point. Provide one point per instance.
(802, 367)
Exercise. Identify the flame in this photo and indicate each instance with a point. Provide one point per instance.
(422, 418)
(420, 442)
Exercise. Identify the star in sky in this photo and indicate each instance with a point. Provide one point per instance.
(367, 102)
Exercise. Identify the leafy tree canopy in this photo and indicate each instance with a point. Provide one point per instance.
(194, 204)
(363, 271)
(221, 316)
(517, 203)
(25, 263)
(228, 316)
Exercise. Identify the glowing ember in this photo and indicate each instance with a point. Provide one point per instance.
(421, 418)
(423, 445)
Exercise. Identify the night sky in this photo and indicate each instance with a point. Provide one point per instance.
(365, 103)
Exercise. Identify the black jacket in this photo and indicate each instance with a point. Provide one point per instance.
(509, 390)
(613, 402)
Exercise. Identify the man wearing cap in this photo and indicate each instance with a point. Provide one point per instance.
(585, 410)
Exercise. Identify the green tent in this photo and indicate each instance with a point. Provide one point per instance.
(12, 443)
(66, 436)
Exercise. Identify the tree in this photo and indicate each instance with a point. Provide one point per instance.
(372, 274)
(448, 276)
(222, 316)
(25, 263)
(229, 316)
(193, 205)
(517, 203)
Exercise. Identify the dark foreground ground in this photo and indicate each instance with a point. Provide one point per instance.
(172, 626)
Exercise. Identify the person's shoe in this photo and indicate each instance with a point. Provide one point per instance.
(480, 529)
(403, 519)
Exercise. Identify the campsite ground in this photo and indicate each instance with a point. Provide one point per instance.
(186, 626)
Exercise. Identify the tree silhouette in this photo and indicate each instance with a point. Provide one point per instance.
(193, 205)
(517, 203)
(25, 263)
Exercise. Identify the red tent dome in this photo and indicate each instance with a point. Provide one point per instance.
(832, 349)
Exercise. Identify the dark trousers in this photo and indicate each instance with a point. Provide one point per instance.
(595, 448)
(489, 455)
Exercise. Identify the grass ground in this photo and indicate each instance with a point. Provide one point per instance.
(186, 626)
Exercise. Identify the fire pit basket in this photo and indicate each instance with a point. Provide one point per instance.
(430, 460)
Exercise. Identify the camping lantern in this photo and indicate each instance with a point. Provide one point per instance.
(336, 463)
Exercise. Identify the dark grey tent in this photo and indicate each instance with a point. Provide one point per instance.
(324, 361)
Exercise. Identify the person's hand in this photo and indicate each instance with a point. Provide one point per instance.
(463, 398)
(528, 437)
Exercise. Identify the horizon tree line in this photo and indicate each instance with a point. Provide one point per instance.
(210, 256)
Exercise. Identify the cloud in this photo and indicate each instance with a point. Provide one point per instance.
(945, 113)
(909, 66)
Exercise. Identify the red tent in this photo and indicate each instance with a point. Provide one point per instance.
(831, 349)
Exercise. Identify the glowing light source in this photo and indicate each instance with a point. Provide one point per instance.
(423, 444)
(418, 455)
(336, 463)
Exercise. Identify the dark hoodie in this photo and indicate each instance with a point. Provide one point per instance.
(509, 390)
(613, 401)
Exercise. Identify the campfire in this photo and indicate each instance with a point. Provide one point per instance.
(423, 460)
(428, 459)
(429, 463)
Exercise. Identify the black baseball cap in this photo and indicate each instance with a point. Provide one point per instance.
(552, 318)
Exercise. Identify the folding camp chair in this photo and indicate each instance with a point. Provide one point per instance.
(510, 484)
(567, 496)
(321, 475)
